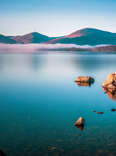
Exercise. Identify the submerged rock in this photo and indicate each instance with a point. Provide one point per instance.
(100, 112)
(113, 110)
(109, 86)
(53, 148)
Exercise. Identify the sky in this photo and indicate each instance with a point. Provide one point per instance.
(56, 17)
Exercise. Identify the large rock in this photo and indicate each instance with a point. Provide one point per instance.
(109, 86)
(111, 94)
(110, 83)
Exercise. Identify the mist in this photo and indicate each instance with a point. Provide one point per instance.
(31, 48)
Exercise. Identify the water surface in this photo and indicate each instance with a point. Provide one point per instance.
(40, 102)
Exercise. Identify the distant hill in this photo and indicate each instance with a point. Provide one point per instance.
(87, 36)
(32, 38)
(5, 39)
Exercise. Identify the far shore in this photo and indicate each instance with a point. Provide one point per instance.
(33, 48)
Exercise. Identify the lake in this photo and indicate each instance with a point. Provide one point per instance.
(40, 103)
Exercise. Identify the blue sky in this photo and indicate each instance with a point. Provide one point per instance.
(56, 17)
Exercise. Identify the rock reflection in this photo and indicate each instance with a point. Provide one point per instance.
(80, 127)
(109, 86)
(111, 94)
(84, 84)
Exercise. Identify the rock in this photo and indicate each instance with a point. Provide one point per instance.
(113, 110)
(100, 112)
(109, 86)
(106, 83)
(110, 82)
(80, 122)
(53, 148)
(110, 78)
(85, 79)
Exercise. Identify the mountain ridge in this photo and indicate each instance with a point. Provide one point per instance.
(86, 36)
(33, 37)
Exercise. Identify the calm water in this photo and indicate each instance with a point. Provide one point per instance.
(40, 102)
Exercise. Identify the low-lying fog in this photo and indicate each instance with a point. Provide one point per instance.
(29, 48)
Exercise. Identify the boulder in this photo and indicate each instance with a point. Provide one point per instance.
(106, 83)
(110, 82)
(109, 86)
(80, 122)
(85, 79)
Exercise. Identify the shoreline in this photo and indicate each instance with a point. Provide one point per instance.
(34, 48)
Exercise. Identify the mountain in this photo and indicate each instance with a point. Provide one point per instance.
(5, 39)
(87, 36)
(33, 37)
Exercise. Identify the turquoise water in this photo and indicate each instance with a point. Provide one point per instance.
(40, 103)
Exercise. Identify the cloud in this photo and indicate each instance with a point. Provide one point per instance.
(31, 48)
